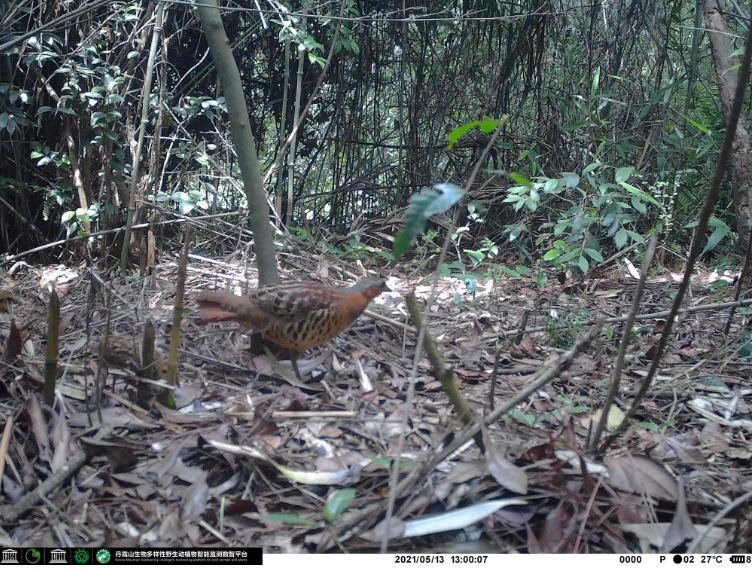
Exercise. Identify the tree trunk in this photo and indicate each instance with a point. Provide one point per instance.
(727, 78)
(240, 127)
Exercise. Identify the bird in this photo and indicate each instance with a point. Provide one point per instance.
(297, 315)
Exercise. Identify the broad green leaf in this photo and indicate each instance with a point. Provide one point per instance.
(591, 167)
(429, 201)
(583, 264)
(623, 174)
(571, 179)
(476, 256)
(716, 236)
(337, 503)
(620, 238)
(637, 204)
(552, 255)
(635, 236)
(595, 255)
(521, 179)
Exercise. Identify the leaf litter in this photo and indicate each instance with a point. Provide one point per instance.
(226, 467)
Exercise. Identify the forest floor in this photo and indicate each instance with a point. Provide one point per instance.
(247, 459)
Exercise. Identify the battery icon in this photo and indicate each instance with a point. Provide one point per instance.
(737, 558)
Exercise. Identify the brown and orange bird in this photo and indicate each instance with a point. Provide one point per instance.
(296, 316)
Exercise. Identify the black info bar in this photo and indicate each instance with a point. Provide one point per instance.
(119, 556)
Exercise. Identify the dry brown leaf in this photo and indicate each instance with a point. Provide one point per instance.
(525, 349)
(195, 501)
(397, 527)
(638, 474)
(684, 447)
(507, 474)
(682, 528)
(464, 471)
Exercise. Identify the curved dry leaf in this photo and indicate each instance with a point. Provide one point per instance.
(464, 471)
(507, 474)
(682, 528)
(376, 535)
(684, 447)
(456, 519)
(638, 474)
(654, 534)
(195, 501)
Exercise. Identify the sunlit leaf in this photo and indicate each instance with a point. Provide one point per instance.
(337, 503)
(623, 174)
(716, 237)
(429, 201)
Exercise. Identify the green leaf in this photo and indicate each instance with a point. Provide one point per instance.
(623, 174)
(595, 82)
(716, 237)
(595, 255)
(637, 192)
(552, 255)
(571, 179)
(637, 204)
(521, 179)
(583, 264)
(698, 126)
(551, 185)
(620, 238)
(568, 256)
(635, 236)
(591, 167)
(429, 201)
(338, 503)
(486, 126)
(289, 519)
(518, 415)
(476, 256)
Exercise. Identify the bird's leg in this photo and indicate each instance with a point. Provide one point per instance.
(294, 359)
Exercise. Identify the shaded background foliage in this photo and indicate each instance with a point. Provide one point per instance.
(619, 84)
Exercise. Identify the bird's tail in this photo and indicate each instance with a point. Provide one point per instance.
(218, 306)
